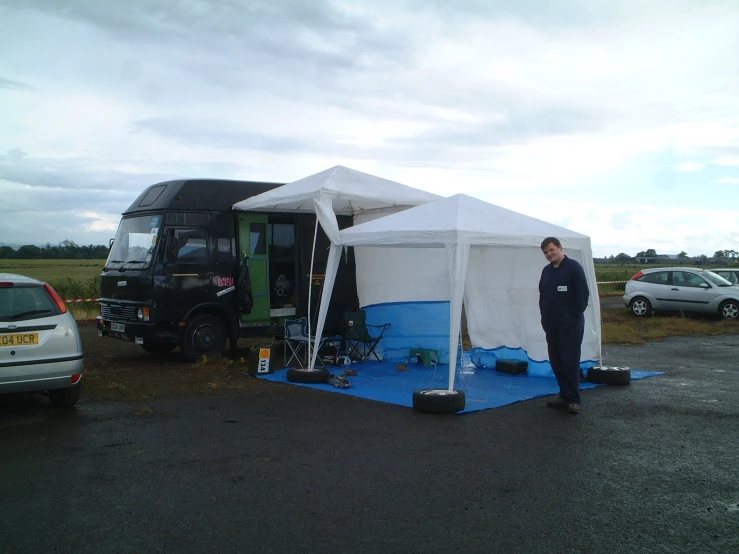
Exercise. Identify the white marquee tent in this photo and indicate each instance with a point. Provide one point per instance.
(413, 263)
(337, 191)
(494, 262)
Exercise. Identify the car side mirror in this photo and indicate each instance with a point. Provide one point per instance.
(704, 286)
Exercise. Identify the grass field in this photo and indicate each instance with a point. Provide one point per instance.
(72, 279)
(78, 279)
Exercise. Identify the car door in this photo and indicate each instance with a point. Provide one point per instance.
(187, 275)
(690, 292)
(655, 287)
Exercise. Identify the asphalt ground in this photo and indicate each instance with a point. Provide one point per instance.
(651, 467)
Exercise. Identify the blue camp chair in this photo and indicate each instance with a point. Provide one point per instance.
(296, 339)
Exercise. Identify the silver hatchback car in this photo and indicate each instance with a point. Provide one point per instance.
(683, 289)
(730, 274)
(40, 345)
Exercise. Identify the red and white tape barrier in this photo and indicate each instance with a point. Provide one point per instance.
(98, 299)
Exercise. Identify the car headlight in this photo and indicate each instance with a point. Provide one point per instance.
(143, 314)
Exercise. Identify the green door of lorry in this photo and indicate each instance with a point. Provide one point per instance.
(254, 245)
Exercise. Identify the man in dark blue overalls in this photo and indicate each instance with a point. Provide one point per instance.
(563, 297)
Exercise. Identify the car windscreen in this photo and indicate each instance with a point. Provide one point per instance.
(19, 303)
(135, 243)
(716, 279)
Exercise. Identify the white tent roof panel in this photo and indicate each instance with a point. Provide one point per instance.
(457, 219)
(350, 192)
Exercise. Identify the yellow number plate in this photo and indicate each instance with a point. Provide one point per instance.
(19, 339)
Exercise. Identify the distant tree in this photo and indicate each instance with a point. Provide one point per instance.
(650, 253)
(65, 250)
(29, 252)
(719, 254)
(683, 255)
(701, 260)
(623, 258)
(732, 255)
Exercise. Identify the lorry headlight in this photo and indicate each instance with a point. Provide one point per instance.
(143, 314)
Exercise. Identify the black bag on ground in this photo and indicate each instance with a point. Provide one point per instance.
(515, 367)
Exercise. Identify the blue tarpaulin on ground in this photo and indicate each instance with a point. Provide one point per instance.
(484, 388)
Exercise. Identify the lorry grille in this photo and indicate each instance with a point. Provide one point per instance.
(117, 312)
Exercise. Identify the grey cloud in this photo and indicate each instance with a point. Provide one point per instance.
(536, 12)
(60, 186)
(10, 84)
(46, 200)
(296, 33)
(211, 133)
(518, 125)
(69, 173)
(41, 227)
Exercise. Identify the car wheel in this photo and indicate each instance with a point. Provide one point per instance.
(305, 375)
(438, 401)
(205, 335)
(65, 398)
(153, 346)
(609, 375)
(640, 306)
(729, 309)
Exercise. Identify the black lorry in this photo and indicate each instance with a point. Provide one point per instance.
(187, 270)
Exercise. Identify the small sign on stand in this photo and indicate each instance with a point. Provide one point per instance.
(259, 360)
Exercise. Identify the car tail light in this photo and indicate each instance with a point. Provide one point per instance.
(56, 298)
(637, 276)
(5, 284)
(76, 378)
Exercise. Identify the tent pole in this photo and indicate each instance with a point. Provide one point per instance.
(310, 288)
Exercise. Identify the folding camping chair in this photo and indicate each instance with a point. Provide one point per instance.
(296, 339)
(357, 333)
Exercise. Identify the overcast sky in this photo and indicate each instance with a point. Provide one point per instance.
(619, 120)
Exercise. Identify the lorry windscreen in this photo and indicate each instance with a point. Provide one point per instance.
(135, 243)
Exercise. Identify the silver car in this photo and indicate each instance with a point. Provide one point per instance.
(731, 275)
(681, 289)
(40, 345)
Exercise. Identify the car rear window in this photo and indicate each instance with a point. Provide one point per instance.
(20, 303)
(730, 276)
(658, 277)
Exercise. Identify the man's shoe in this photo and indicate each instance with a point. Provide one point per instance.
(558, 404)
(573, 408)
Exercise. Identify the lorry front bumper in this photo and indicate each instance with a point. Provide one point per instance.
(134, 332)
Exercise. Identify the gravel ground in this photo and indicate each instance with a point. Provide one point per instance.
(649, 468)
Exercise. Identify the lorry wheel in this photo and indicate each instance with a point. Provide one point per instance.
(157, 347)
(439, 401)
(205, 335)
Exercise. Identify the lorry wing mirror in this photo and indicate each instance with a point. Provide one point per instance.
(169, 254)
(110, 243)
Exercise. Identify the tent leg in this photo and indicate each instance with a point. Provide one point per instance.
(310, 288)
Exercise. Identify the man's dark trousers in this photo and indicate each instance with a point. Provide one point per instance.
(564, 345)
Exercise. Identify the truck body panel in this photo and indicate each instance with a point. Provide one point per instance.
(185, 269)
